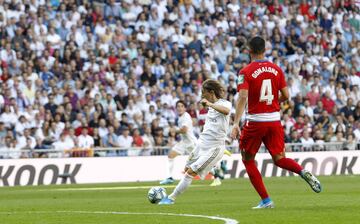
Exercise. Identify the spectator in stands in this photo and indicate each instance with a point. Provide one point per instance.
(102, 129)
(26, 141)
(4, 148)
(327, 102)
(85, 141)
(124, 121)
(2, 133)
(319, 138)
(110, 139)
(339, 137)
(348, 109)
(351, 143)
(148, 138)
(307, 141)
(83, 62)
(64, 144)
(8, 117)
(338, 124)
(125, 140)
(137, 139)
(313, 96)
(97, 138)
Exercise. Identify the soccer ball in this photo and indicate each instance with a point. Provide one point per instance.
(155, 194)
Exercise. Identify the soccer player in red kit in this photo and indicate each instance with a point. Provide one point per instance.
(259, 84)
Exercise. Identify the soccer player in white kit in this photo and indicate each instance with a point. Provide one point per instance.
(211, 144)
(188, 139)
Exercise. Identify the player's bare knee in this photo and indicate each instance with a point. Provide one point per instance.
(172, 154)
(246, 156)
(191, 172)
(243, 155)
(277, 157)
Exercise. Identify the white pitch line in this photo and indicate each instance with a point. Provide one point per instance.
(112, 188)
(226, 220)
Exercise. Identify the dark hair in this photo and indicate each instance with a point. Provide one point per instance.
(182, 102)
(257, 45)
(101, 106)
(213, 85)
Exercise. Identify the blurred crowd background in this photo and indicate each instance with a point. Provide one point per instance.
(85, 74)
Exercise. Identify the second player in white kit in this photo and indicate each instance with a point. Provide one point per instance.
(188, 139)
(187, 143)
(211, 144)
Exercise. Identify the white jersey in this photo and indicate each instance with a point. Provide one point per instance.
(186, 120)
(216, 126)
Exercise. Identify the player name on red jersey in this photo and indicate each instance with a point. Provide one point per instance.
(261, 70)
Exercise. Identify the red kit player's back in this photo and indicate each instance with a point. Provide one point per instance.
(260, 83)
(263, 80)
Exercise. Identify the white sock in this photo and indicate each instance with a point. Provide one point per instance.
(182, 186)
(170, 167)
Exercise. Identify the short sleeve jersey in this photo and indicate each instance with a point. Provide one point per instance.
(263, 80)
(185, 120)
(216, 126)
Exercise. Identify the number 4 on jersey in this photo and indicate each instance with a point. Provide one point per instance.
(266, 92)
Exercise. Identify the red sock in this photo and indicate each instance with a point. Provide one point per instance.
(255, 178)
(289, 164)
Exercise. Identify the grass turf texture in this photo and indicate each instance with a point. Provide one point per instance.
(295, 203)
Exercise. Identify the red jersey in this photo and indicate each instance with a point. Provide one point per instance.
(263, 80)
(328, 104)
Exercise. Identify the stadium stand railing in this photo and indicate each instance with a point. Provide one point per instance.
(154, 151)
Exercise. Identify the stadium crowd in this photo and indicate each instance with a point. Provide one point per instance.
(84, 74)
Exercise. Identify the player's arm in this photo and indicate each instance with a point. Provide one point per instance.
(240, 105)
(242, 87)
(240, 108)
(284, 94)
(182, 130)
(219, 108)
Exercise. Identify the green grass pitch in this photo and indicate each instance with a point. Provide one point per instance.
(294, 200)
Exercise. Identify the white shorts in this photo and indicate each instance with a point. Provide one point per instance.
(183, 148)
(201, 161)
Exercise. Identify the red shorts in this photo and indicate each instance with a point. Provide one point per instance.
(270, 133)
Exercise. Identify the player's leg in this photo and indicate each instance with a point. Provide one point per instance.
(200, 165)
(289, 164)
(250, 142)
(215, 167)
(256, 180)
(223, 166)
(286, 163)
(274, 142)
(217, 173)
(313, 182)
(184, 183)
(177, 150)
